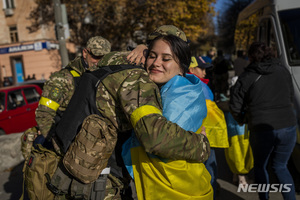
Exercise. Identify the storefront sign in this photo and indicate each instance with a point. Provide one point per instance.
(37, 46)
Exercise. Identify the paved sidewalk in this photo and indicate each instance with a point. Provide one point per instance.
(228, 190)
(11, 183)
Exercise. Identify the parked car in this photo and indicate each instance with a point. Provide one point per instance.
(40, 83)
(17, 108)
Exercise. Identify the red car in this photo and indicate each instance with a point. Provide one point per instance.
(17, 108)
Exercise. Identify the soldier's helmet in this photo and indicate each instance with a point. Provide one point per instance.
(98, 45)
(167, 30)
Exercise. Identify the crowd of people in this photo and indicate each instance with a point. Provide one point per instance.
(144, 124)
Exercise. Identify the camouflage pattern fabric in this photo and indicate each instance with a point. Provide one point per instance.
(114, 58)
(117, 97)
(168, 30)
(113, 188)
(133, 89)
(59, 88)
(27, 139)
(98, 45)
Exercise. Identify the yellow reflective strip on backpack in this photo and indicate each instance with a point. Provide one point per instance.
(49, 103)
(141, 112)
(74, 73)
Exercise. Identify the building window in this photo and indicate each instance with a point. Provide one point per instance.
(8, 4)
(13, 34)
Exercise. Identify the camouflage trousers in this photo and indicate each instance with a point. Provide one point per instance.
(70, 188)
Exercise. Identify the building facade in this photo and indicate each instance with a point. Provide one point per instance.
(24, 54)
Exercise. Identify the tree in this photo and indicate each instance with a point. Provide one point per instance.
(245, 32)
(122, 21)
(190, 15)
(227, 23)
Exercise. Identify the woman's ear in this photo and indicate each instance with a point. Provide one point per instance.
(191, 69)
(181, 72)
(84, 53)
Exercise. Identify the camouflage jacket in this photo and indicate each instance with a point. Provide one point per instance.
(57, 93)
(129, 99)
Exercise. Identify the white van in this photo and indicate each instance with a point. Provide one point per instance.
(277, 23)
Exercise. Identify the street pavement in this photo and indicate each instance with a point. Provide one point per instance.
(11, 183)
(228, 190)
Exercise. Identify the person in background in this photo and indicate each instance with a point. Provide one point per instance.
(214, 123)
(209, 72)
(210, 54)
(28, 78)
(220, 73)
(6, 82)
(263, 97)
(198, 67)
(240, 63)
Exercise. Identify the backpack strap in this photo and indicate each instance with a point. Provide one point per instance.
(253, 84)
(59, 113)
(83, 103)
(75, 74)
(245, 106)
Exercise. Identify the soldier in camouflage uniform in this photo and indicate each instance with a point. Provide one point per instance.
(137, 55)
(140, 98)
(59, 89)
(130, 100)
(138, 106)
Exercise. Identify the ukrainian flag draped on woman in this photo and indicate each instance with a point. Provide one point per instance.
(158, 178)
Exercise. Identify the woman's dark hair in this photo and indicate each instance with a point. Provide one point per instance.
(179, 48)
(259, 52)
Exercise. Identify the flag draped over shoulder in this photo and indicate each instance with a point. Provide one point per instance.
(184, 102)
(156, 178)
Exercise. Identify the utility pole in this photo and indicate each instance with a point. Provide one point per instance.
(59, 27)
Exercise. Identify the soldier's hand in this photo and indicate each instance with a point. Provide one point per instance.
(138, 55)
(203, 131)
(38, 133)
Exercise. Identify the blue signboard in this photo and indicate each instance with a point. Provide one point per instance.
(37, 46)
(19, 72)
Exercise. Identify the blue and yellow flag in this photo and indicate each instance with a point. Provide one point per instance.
(239, 154)
(214, 123)
(156, 178)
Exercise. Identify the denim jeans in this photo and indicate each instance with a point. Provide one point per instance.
(280, 143)
(211, 166)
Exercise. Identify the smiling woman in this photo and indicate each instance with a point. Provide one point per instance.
(183, 103)
(168, 56)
